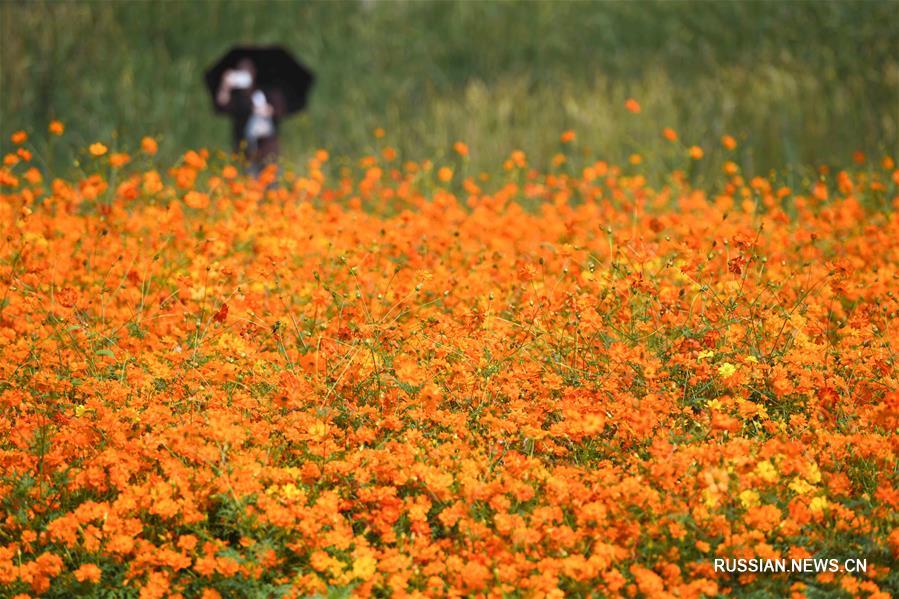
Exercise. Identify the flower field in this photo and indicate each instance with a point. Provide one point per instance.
(392, 378)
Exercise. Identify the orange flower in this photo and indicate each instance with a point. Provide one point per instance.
(33, 176)
(474, 575)
(460, 148)
(194, 160)
(729, 142)
(567, 137)
(379, 133)
(559, 159)
(669, 134)
(19, 137)
(88, 573)
(118, 159)
(56, 127)
(362, 367)
(148, 145)
(97, 149)
(632, 105)
(7, 178)
(196, 199)
(696, 153)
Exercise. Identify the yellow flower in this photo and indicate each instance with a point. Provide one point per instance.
(814, 474)
(766, 471)
(818, 505)
(364, 566)
(749, 498)
(291, 491)
(97, 149)
(318, 430)
(726, 370)
(705, 354)
(801, 486)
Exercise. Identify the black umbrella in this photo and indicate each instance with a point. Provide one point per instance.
(275, 69)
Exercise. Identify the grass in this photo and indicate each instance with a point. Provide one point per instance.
(798, 83)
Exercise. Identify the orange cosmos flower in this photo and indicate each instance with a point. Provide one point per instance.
(196, 199)
(56, 127)
(7, 178)
(445, 174)
(194, 160)
(696, 152)
(19, 137)
(33, 176)
(460, 148)
(669, 134)
(119, 159)
(632, 105)
(97, 149)
(88, 573)
(148, 145)
(729, 142)
(567, 137)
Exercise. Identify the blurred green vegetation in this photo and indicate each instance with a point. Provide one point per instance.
(797, 83)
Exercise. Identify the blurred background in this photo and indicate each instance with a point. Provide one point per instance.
(794, 82)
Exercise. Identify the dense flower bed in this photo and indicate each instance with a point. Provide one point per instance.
(398, 381)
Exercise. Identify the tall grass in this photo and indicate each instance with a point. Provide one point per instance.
(798, 83)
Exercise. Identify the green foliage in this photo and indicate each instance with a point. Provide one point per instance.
(798, 83)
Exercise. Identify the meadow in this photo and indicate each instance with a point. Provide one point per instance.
(799, 84)
(401, 382)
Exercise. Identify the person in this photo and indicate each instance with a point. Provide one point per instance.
(255, 113)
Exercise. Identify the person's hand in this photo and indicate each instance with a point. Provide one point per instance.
(223, 96)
